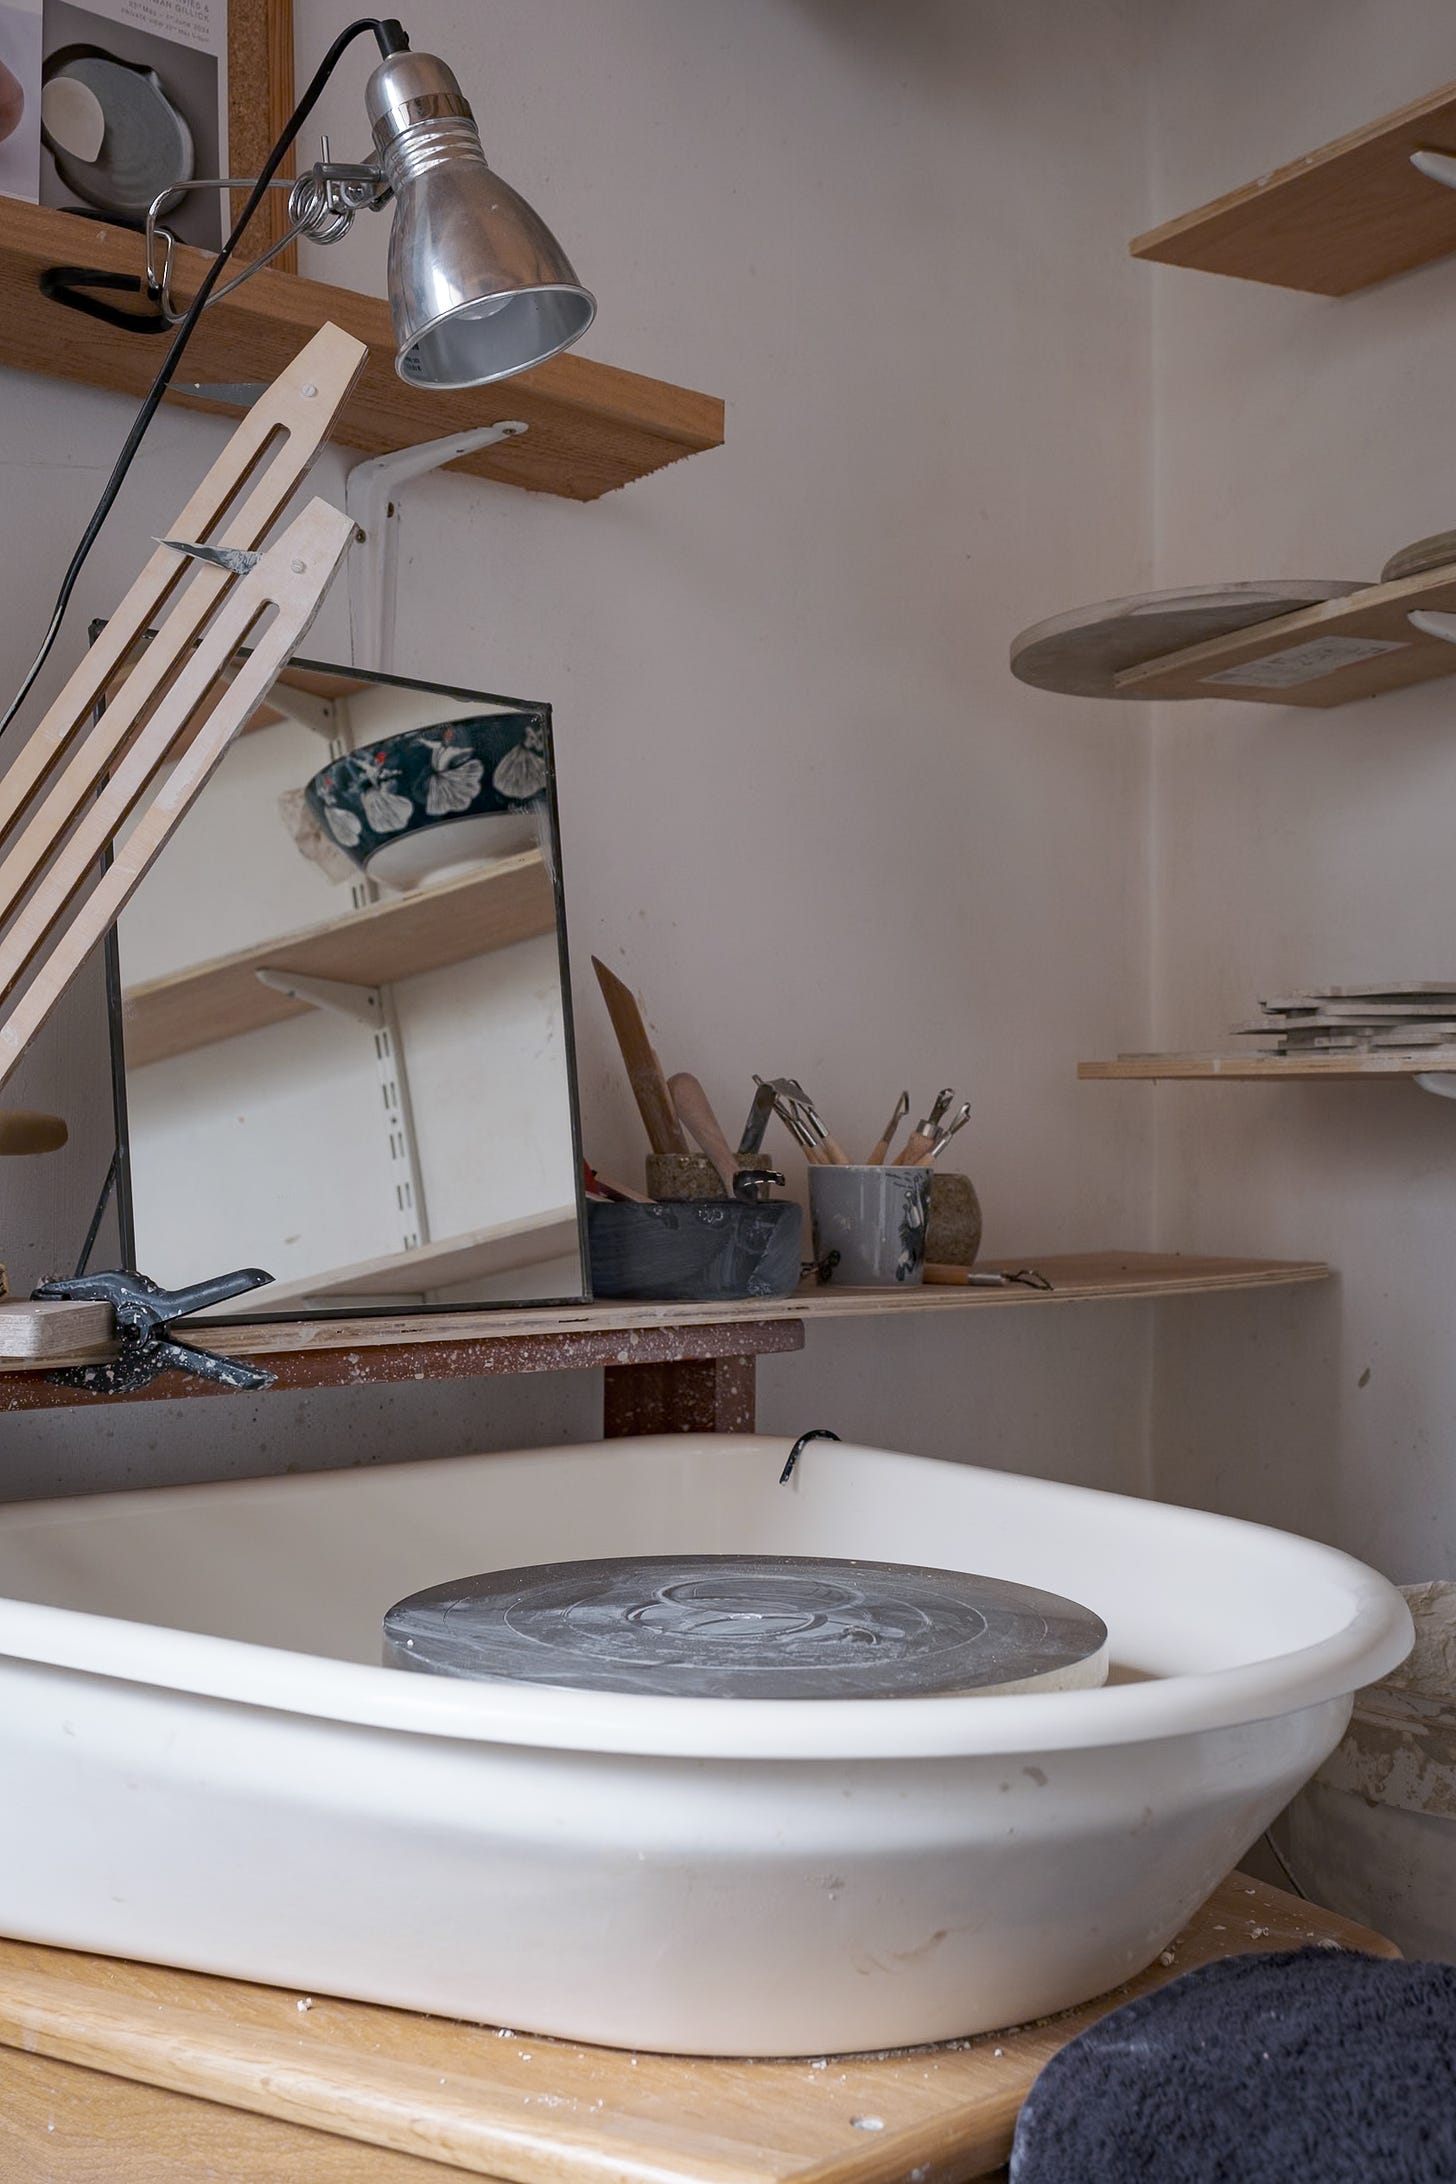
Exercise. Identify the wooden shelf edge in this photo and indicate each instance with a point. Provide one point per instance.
(591, 427)
(1264, 1068)
(556, 1338)
(1375, 616)
(425, 931)
(1339, 219)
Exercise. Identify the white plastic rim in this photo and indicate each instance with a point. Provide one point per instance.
(1372, 1636)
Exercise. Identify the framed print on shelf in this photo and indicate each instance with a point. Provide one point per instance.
(127, 96)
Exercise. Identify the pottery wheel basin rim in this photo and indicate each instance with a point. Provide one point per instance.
(686, 1628)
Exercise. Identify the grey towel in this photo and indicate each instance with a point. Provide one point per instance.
(1309, 2066)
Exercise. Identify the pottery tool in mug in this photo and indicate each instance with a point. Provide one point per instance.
(781, 1090)
(829, 1148)
(943, 1137)
(924, 1134)
(882, 1144)
(644, 1070)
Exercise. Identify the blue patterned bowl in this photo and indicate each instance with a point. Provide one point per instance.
(435, 801)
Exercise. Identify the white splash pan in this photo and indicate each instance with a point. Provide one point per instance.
(205, 1767)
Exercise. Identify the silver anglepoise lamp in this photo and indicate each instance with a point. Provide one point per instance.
(479, 287)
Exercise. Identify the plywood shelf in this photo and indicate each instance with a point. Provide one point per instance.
(1268, 1068)
(1357, 646)
(426, 931)
(468, 1344)
(590, 426)
(1341, 218)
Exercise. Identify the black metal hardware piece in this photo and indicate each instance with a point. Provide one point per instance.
(816, 1433)
(144, 1313)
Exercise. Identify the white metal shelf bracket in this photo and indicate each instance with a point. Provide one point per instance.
(371, 497)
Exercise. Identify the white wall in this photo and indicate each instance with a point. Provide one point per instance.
(805, 808)
(1303, 436)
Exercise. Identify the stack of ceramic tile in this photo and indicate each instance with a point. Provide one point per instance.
(1358, 1020)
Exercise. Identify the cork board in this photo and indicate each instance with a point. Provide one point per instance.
(260, 100)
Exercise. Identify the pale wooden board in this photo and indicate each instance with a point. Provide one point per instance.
(591, 427)
(46, 1332)
(291, 576)
(1378, 611)
(338, 1352)
(535, 2111)
(1340, 218)
(60, 2124)
(1271, 1068)
(1078, 1278)
(377, 946)
(1082, 653)
(440, 1264)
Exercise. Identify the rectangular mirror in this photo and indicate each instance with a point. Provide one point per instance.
(345, 1020)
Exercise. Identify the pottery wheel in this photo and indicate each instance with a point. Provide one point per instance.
(1083, 653)
(748, 1627)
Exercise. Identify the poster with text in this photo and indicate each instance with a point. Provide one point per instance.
(133, 99)
(20, 40)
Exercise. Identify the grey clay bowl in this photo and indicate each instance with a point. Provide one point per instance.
(705, 1251)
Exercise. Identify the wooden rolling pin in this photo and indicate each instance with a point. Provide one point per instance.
(644, 1070)
(696, 1115)
(23, 1132)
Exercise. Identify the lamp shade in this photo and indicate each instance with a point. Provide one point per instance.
(478, 285)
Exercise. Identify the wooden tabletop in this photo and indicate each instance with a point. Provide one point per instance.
(131, 2074)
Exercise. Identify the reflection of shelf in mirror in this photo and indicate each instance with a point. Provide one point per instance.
(1267, 1068)
(506, 1248)
(425, 931)
(590, 427)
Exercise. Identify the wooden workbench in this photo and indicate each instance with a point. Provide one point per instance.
(116, 2073)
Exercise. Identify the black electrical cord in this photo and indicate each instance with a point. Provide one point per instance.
(391, 39)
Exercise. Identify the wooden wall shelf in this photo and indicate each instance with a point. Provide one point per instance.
(1339, 219)
(1358, 646)
(427, 931)
(1268, 1068)
(591, 427)
(634, 1340)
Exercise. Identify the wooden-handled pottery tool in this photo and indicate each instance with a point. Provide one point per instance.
(22, 1132)
(924, 1134)
(831, 1152)
(962, 1277)
(764, 1101)
(644, 1070)
(882, 1145)
(943, 1136)
(695, 1113)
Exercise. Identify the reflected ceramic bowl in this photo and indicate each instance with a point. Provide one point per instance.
(436, 802)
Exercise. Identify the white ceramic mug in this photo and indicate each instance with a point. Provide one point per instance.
(875, 1219)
